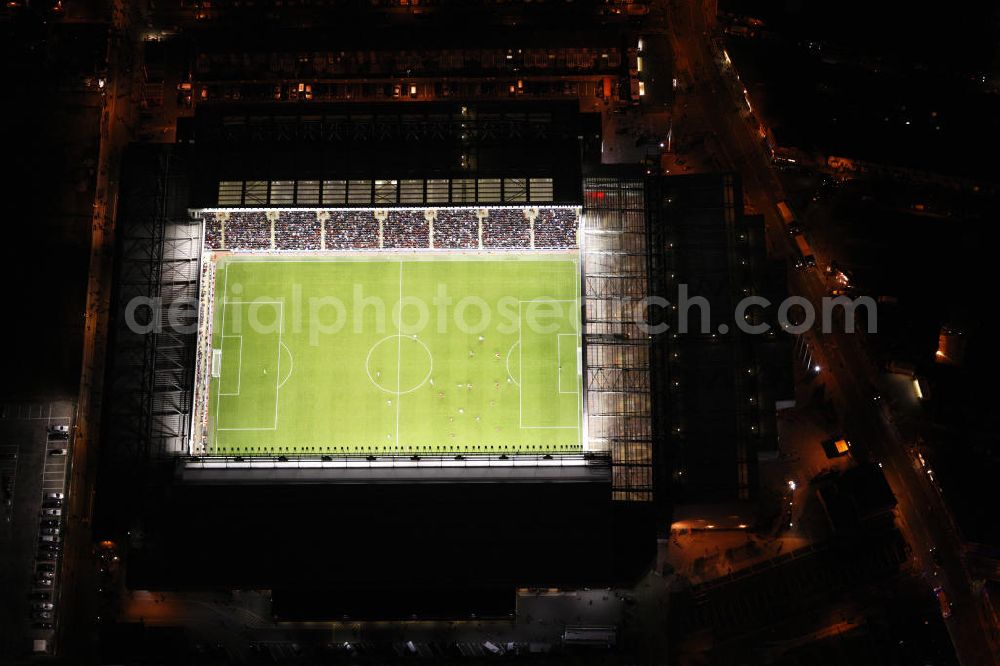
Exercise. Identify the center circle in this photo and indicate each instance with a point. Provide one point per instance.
(399, 364)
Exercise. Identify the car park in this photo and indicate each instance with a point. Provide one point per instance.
(43, 582)
(44, 595)
(42, 625)
(43, 605)
(49, 530)
(51, 511)
(50, 538)
(49, 522)
(46, 567)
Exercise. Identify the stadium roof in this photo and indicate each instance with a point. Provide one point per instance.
(389, 537)
(385, 141)
(713, 402)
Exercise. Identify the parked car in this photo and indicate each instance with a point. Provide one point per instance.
(43, 582)
(55, 496)
(57, 452)
(59, 432)
(42, 625)
(44, 595)
(43, 605)
(51, 511)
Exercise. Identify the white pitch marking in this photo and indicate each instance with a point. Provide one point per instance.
(559, 337)
(291, 364)
(510, 375)
(239, 367)
(399, 352)
(520, 356)
(378, 373)
(277, 382)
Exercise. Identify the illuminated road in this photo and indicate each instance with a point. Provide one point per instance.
(76, 633)
(924, 519)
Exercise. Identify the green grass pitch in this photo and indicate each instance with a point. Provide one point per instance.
(408, 354)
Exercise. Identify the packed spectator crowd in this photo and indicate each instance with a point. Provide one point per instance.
(406, 228)
(453, 228)
(555, 228)
(456, 228)
(250, 230)
(506, 228)
(298, 230)
(203, 367)
(352, 231)
(213, 232)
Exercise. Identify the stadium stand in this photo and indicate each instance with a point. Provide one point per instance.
(506, 228)
(204, 355)
(406, 228)
(213, 232)
(555, 228)
(250, 230)
(456, 228)
(351, 230)
(298, 230)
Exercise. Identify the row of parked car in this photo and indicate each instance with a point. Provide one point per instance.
(50, 535)
(47, 559)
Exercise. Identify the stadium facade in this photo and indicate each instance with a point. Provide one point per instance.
(489, 180)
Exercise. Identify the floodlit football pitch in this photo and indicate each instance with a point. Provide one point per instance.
(403, 355)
